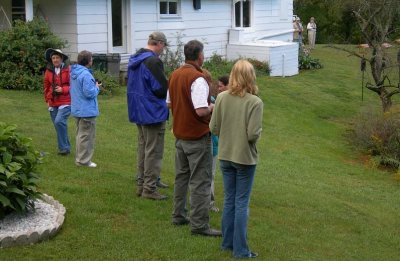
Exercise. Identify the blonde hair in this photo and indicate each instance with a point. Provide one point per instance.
(242, 79)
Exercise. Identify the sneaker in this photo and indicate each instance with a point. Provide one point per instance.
(90, 164)
(154, 195)
(213, 208)
(161, 185)
(63, 152)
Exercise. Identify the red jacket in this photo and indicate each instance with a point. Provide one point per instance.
(61, 80)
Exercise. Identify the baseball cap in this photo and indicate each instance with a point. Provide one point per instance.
(158, 36)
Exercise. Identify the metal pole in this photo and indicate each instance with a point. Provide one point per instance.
(362, 86)
(363, 68)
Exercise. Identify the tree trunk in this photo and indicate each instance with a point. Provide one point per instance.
(386, 101)
(377, 64)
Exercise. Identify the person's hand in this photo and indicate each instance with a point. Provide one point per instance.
(211, 107)
(58, 89)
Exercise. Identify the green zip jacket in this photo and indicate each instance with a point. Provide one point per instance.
(237, 121)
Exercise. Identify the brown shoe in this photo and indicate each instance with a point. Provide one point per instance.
(154, 195)
(210, 232)
(139, 191)
(182, 222)
(161, 185)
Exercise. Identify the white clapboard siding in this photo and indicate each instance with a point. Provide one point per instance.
(61, 17)
(91, 22)
(85, 25)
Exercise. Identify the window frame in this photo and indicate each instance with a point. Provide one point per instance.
(251, 16)
(168, 15)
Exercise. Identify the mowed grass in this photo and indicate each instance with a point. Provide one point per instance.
(313, 198)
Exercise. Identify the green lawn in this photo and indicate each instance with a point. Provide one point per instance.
(313, 198)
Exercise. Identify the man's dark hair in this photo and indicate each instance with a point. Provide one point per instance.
(192, 50)
(224, 79)
(84, 58)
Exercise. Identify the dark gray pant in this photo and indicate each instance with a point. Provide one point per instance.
(149, 155)
(193, 161)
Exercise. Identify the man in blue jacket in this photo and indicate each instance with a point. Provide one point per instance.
(147, 90)
(84, 90)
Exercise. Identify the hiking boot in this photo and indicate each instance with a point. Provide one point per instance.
(139, 191)
(154, 195)
(161, 185)
(181, 222)
(209, 232)
(63, 152)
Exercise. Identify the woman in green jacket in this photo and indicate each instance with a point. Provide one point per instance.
(237, 121)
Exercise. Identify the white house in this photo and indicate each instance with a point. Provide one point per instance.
(260, 29)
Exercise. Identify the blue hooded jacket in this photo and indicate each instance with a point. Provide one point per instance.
(147, 89)
(83, 92)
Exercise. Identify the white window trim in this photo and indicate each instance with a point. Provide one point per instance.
(170, 16)
(250, 28)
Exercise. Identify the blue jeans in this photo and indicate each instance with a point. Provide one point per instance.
(238, 181)
(60, 119)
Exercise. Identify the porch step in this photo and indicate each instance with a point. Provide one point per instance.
(124, 62)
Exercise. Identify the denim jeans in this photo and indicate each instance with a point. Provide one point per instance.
(59, 118)
(238, 181)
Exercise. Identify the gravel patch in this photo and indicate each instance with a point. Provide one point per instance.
(36, 225)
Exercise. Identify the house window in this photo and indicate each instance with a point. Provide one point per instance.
(242, 13)
(18, 10)
(116, 18)
(169, 7)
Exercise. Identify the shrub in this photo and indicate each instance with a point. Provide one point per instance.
(378, 134)
(306, 62)
(218, 66)
(262, 68)
(22, 54)
(109, 84)
(173, 59)
(18, 179)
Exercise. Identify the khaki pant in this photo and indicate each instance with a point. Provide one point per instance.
(85, 138)
(311, 38)
(149, 155)
(193, 161)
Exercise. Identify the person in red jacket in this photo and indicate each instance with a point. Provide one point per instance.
(56, 94)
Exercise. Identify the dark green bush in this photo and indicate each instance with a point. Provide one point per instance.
(378, 134)
(218, 66)
(173, 59)
(109, 84)
(18, 180)
(306, 62)
(262, 68)
(22, 54)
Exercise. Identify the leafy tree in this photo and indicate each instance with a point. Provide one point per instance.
(375, 19)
